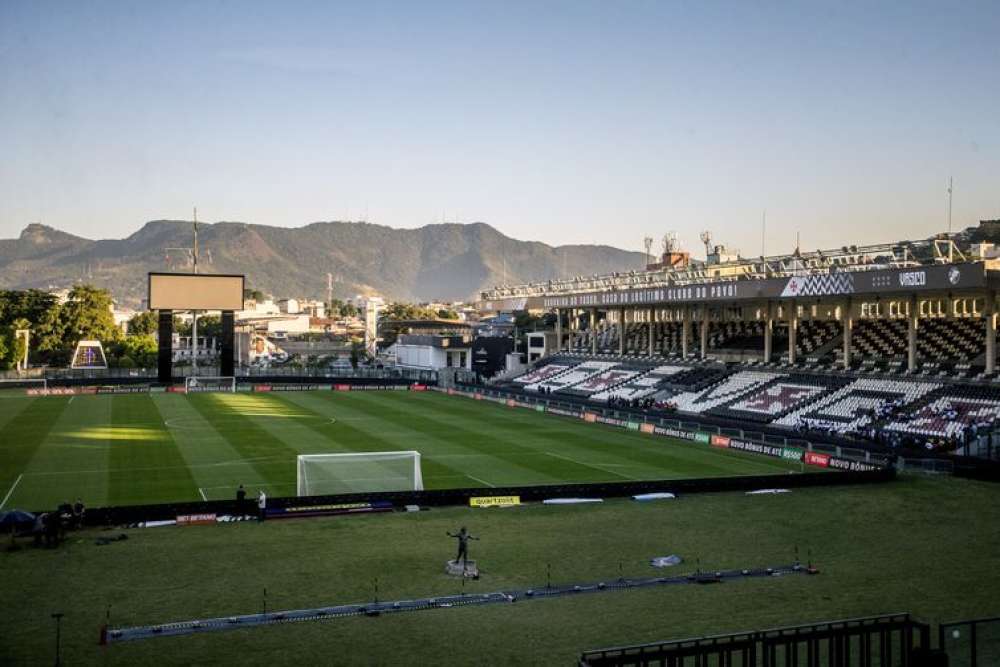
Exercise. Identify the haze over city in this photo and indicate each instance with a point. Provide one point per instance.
(564, 122)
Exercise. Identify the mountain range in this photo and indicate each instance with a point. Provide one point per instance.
(441, 262)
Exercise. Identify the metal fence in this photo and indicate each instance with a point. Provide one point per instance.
(874, 641)
(974, 643)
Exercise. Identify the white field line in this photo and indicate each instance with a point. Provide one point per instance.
(202, 494)
(12, 487)
(70, 400)
(481, 481)
(151, 468)
(592, 465)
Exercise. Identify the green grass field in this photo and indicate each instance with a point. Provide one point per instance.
(148, 448)
(928, 546)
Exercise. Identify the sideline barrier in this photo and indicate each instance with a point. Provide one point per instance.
(125, 515)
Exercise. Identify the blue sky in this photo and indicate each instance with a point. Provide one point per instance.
(565, 122)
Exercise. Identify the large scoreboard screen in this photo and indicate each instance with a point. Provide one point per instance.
(195, 291)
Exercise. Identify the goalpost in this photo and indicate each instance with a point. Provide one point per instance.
(358, 472)
(197, 383)
(24, 383)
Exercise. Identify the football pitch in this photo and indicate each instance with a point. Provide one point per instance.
(149, 448)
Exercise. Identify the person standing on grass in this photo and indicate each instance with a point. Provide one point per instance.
(241, 498)
(261, 505)
(78, 510)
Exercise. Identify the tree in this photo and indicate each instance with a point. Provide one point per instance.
(447, 314)
(87, 316)
(143, 324)
(210, 326)
(41, 312)
(141, 350)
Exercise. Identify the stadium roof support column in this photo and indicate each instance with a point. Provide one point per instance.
(911, 338)
(990, 313)
(793, 330)
(593, 331)
(768, 332)
(704, 332)
(621, 332)
(652, 330)
(573, 324)
(848, 320)
(686, 333)
(558, 330)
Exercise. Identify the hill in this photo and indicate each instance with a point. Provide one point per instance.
(434, 262)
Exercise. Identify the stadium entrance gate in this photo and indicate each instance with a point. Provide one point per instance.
(168, 292)
(874, 641)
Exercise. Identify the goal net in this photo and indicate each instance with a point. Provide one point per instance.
(210, 383)
(31, 384)
(360, 472)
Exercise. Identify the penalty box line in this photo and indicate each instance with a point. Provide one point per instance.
(11, 491)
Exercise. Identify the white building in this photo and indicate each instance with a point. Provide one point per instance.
(289, 306)
(431, 353)
(541, 344)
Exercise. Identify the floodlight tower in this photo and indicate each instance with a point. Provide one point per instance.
(648, 243)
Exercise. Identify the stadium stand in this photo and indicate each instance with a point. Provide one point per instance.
(569, 377)
(544, 371)
(884, 344)
(641, 386)
(604, 381)
(776, 399)
(954, 413)
(853, 407)
(732, 387)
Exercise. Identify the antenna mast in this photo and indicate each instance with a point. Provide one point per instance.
(949, 203)
(648, 243)
(196, 239)
(763, 231)
(706, 238)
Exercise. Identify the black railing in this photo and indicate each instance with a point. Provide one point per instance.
(873, 641)
(973, 643)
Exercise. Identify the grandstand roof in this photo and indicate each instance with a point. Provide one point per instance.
(908, 266)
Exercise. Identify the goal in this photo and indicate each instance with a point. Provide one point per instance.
(358, 472)
(31, 384)
(209, 383)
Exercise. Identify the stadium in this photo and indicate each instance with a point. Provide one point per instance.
(813, 432)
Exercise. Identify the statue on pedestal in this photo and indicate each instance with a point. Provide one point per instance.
(462, 565)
